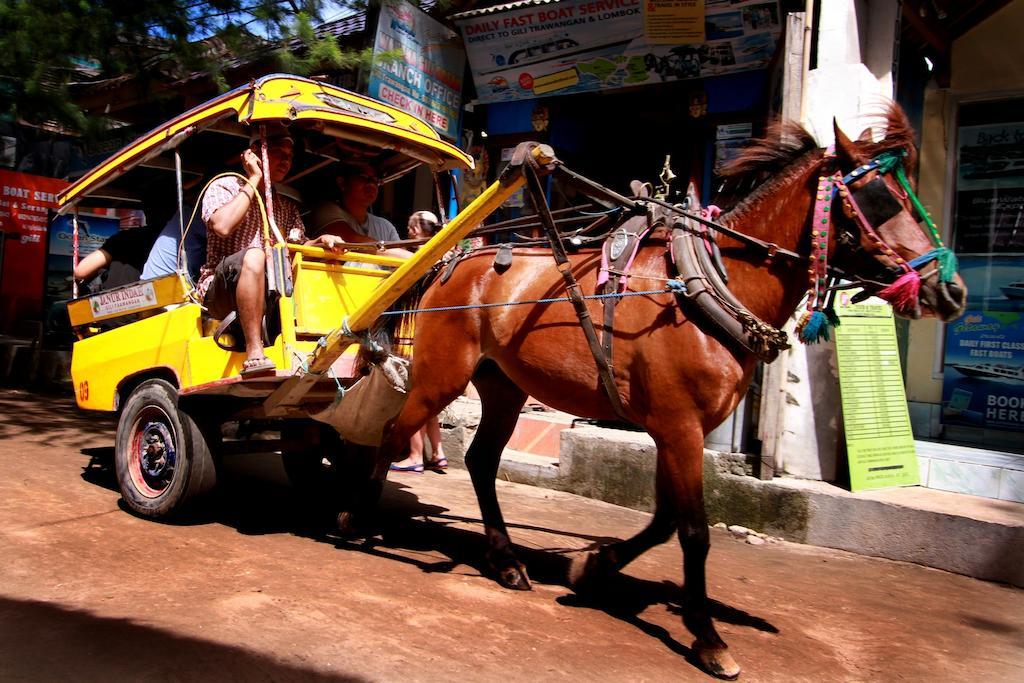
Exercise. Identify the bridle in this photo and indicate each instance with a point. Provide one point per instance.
(870, 205)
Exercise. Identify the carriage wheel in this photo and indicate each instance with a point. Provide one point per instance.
(162, 458)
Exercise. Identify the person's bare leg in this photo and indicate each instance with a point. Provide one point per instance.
(250, 295)
(415, 450)
(433, 434)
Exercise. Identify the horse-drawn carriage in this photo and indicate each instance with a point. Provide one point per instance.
(149, 351)
(687, 306)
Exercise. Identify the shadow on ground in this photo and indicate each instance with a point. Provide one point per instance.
(47, 413)
(257, 506)
(42, 641)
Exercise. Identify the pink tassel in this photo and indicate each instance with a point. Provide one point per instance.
(903, 293)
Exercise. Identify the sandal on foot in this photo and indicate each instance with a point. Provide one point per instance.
(417, 469)
(439, 464)
(257, 366)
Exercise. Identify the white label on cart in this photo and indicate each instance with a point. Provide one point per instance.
(134, 298)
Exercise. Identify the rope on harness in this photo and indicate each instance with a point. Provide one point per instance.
(671, 287)
(340, 393)
(364, 337)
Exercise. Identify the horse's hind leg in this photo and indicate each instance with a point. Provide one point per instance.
(428, 395)
(501, 401)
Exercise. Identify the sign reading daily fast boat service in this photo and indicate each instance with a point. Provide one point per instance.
(577, 46)
(426, 80)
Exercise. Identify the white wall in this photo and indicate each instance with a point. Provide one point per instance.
(853, 82)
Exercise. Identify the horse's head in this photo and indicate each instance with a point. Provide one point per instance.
(879, 242)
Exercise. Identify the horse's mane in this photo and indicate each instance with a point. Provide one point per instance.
(783, 143)
(785, 150)
(788, 149)
(899, 134)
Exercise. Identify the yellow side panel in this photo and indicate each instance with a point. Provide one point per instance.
(100, 363)
(326, 292)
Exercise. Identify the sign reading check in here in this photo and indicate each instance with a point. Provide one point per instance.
(879, 440)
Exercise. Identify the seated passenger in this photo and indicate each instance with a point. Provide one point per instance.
(123, 255)
(163, 257)
(349, 215)
(234, 275)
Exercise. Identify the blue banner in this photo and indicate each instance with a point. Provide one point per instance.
(983, 377)
(426, 80)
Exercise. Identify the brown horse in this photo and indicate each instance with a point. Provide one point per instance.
(675, 380)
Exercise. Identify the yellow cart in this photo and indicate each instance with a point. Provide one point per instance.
(146, 350)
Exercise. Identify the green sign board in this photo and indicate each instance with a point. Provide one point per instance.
(879, 440)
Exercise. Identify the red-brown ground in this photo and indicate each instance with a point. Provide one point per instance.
(258, 591)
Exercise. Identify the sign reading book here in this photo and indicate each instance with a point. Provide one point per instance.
(879, 440)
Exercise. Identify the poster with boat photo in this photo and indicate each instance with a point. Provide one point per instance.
(528, 50)
(989, 214)
(983, 375)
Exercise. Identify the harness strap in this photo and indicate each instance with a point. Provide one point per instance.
(604, 363)
(771, 249)
(617, 257)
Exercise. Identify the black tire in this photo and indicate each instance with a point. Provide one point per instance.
(162, 459)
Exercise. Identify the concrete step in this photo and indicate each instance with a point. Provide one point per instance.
(979, 537)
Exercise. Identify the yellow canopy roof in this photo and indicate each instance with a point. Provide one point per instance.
(300, 102)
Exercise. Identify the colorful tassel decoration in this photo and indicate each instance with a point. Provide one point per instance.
(814, 327)
(903, 293)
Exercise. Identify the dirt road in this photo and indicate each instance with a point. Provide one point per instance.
(258, 591)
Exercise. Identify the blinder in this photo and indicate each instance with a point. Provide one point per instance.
(876, 203)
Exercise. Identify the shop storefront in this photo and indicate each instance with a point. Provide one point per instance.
(965, 380)
(615, 87)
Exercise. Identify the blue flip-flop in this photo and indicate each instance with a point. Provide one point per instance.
(417, 469)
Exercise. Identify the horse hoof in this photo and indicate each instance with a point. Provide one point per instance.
(718, 662)
(351, 526)
(515, 577)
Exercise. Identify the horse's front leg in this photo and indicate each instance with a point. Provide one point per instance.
(501, 401)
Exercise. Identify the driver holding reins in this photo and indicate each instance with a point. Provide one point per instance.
(234, 275)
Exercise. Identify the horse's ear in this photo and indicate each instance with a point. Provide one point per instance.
(899, 131)
(866, 136)
(846, 150)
